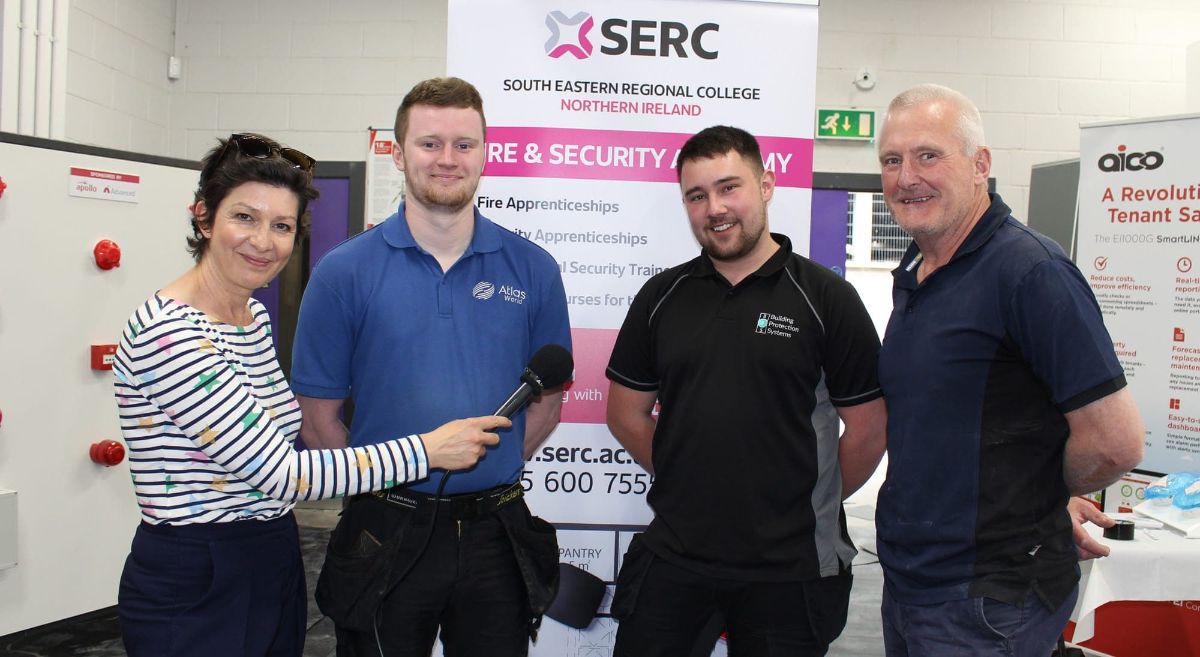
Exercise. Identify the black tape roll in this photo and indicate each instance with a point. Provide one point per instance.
(1122, 531)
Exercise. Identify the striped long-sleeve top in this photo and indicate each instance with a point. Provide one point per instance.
(210, 422)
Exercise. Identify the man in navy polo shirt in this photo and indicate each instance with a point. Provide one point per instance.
(754, 353)
(433, 314)
(1004, 397)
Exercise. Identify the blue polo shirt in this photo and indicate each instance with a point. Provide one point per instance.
(979, 364)
(414, 347)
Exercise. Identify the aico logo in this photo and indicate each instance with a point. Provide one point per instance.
(641, 38)
(1122, 161)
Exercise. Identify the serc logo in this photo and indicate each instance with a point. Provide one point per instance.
(1122, 161)
(632, 37)
(579, 24)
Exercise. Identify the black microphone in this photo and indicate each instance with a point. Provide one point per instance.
(550, 367)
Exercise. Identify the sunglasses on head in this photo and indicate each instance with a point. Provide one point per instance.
(257, 147)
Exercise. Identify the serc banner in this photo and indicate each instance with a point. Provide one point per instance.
(587, 105)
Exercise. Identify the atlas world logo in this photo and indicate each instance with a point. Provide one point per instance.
(1132, 161)
(619, 36)
(483, 290)
(577, 26)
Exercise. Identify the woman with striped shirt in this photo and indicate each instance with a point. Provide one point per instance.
(210, 422)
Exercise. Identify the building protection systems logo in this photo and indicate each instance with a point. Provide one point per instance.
(579, 25)
(780, 326)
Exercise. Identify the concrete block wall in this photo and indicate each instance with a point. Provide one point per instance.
(1193, 77)
(117, 92)
(1036, 68)
(313, 74)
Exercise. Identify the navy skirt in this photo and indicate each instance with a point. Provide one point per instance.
(233, 588)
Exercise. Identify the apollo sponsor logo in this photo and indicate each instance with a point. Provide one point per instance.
(1130, 161)
(633, 37)
(483, 290)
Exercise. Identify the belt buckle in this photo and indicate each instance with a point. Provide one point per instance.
(466, 508)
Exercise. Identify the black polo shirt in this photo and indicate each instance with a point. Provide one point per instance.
(747, 484)
(979, 364)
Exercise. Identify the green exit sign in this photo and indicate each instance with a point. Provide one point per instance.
(845, 124)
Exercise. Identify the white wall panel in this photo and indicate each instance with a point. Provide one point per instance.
(75, 518)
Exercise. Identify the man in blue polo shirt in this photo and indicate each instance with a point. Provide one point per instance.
(433, 314)
(1004, 397)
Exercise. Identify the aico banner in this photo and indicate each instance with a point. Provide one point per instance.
(1139, 246)
(587, 106)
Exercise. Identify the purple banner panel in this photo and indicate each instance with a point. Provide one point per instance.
(827, 236)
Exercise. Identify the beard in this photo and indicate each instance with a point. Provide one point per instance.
(747, 240)
(452, 199)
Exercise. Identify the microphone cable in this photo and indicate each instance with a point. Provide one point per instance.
(412, 564)
(549, 367)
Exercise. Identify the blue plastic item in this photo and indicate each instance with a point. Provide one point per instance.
(1175, 484)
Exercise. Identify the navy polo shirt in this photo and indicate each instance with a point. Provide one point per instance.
(979, 364)
(747, 484)
(415, 347)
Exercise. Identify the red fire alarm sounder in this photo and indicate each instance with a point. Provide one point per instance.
(108, 254)
(102, 356)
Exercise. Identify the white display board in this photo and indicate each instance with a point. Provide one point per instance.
(385, 183)
(75, 519)
(1139, 247)
(587, 106)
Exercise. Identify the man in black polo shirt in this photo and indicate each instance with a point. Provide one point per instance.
(1004, 397)
(753, 352)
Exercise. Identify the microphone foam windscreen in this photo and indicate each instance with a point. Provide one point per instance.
(552, 364)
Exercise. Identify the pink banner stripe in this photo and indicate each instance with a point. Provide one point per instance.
(525, 152)
(591, 348)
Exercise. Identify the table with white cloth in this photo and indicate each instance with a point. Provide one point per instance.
(1158, 565)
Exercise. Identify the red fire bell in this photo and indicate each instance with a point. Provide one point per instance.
(108, 254)
(107, 453)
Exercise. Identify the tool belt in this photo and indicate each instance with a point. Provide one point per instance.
(467, 506)
(362, 567)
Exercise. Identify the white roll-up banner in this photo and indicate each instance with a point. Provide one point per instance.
(1139, 247)
(587, 105)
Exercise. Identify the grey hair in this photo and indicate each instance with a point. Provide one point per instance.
(970, 123)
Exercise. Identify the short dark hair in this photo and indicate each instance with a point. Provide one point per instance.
(439, 92)
(225, 167)
(717, 141)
